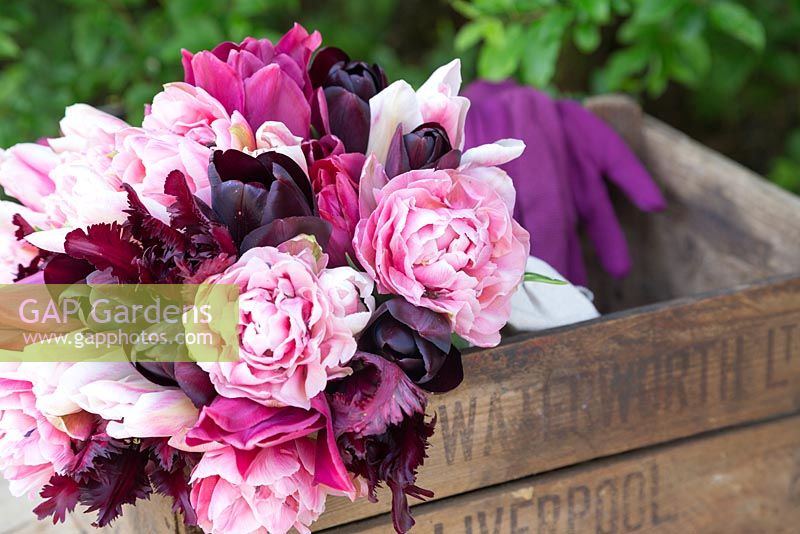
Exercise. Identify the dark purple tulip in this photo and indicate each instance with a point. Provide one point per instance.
(263, 200)
(347, 87)
(418, 341)
(380, 426)
(427, 147)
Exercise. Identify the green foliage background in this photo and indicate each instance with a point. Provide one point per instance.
(727, 71)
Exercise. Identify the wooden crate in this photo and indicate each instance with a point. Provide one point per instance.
(675, 413)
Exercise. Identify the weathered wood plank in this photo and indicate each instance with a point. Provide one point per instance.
(619, 383)
(745, 480)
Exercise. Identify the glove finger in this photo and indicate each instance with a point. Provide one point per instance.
(596, 215)
(611, 156)
(576, 269)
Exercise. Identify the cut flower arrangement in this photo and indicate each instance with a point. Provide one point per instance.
(363, 238)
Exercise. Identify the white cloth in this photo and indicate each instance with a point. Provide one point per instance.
(539, 306)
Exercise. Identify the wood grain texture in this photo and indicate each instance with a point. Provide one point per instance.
(619, 383)
(745, 480)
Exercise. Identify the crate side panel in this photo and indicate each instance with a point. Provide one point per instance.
(617, 384)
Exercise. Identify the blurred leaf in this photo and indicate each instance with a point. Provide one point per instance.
(8, 47)
(586, 37)
(472, 32)
(621, 7)
(542, 44)
(599, 11)
(500, 54)
(653, 11)
(739, 23)
(690, 60)
(622, 65)
(786, 173)
(467, 9)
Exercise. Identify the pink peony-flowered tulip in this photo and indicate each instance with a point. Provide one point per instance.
(186, 110)
(293, 337)
(260, 491)
(32, 449)
(335, 182)
(446, 241)
(264, 82)
(25, 173)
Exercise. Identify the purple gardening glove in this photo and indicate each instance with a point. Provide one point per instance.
(560, 176)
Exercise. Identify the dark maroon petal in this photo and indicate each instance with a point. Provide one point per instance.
(239, 206)
(392, 457)
(120, 479)
(162, 453)
(106, 247)
(235, 165)
(60, 497)
(174, 484)
(324, 62)
(62, 269)
(161, 373)
(349, 117)
(195, 383)
(187, 211)
(283, 166)
(23, 227)
(141, 222)
(317, 149)
(99, 446)
(285, 200)
(282, 230)
(451, 160)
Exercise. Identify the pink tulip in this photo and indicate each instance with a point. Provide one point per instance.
(31, 449)
(293, 338)
(262, 81)
(267, 490)
(84, 128)
(446, 241)
(133, 406)
(247, 425)
(187, 111)
(24, 173)
(145, 158)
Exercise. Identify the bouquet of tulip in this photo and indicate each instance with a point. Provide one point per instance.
(363, 241)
